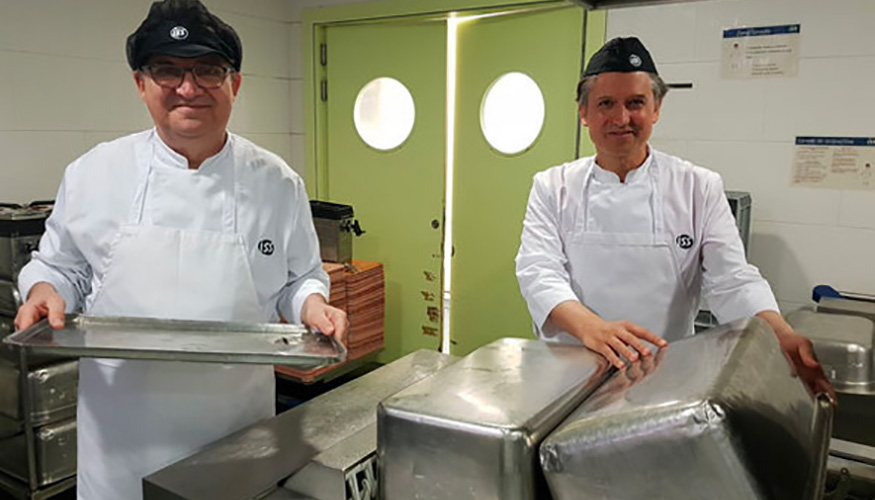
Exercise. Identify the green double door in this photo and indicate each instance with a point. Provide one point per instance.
(399, 194)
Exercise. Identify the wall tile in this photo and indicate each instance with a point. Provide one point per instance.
(274, 10)
(298, 157)
(266, 45)
(7, 93)
(671, 146)
(764, 170)
(714, 109)
(668, 31)
(296, 61)
(262, 106)
(34, 163)
(296, 97)
(857, 209)
(830, 97)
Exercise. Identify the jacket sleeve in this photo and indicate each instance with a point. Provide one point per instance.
(58, 260)
(734, 288)
(540, 262)
(305, 273)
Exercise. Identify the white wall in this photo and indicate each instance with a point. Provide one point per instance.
(65, 84)
(745, 129)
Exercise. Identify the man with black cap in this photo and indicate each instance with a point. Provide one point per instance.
(617, 247)
(183, 221)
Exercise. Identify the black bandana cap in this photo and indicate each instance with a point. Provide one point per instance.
(183, 28)
(621, 55)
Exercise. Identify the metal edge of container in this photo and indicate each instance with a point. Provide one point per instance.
(22, 338)
(254, 460)
(438, 425)
(631, 411)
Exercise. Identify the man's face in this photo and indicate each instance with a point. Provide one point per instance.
(620, 113)
(189, 111)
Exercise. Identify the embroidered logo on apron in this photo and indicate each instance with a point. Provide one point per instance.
(684, 241)
(265, 247)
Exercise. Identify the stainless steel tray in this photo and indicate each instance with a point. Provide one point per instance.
(472, 430)
(176, 340)
(719, 416)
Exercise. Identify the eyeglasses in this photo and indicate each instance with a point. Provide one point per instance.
(208, 76)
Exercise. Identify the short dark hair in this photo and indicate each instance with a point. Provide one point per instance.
(209, 34)
(657, 84)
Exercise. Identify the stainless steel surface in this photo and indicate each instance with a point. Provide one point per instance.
(832, 305)
(472, 430)
(844, 346)
(10, 300)
(7, 325)
(55, 446)
(335, 239)
(851, 469)
(52, 390)
(719, 413)
(20, 232)
(133, 338)
(253, 461)
(21, 491)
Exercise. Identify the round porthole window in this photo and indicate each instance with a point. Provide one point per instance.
(384, 113)
(512, 113)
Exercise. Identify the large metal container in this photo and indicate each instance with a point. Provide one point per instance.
(844, 346)
(55, 446)
(10, 300)
(715, 416)
(472, 430)
(335, 227)
(20, 232)
(52, 390)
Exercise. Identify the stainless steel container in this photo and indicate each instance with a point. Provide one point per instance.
(835, 305)
(20, 232)
(715, 416)
(844, 346)
(7, 326)
(472, 430)
(55, 446)
(52, 390)
(10, 300)
(335, 227)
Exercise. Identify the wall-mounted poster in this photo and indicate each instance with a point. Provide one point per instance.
(762, 52)
(835, 162)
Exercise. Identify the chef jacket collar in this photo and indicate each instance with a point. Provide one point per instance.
(167, 157)
(637, 175)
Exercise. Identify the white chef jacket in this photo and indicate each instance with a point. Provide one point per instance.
(96, 193)
(705, 243)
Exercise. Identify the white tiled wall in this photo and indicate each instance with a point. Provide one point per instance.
(745, 129)
(65, 84)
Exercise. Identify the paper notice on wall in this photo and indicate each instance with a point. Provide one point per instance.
(761, 52)
(835, 162)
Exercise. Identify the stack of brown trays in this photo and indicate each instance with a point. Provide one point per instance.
(360, 290)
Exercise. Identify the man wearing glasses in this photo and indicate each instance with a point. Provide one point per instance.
(183, 221)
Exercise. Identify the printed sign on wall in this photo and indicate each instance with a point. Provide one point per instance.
(761, 52)
(835, 162)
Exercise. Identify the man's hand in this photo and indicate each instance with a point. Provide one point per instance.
(317, 314)
(611, 339)
(800, 353)
(42, 301)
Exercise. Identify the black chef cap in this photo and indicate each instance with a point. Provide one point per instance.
(183, 28)
(621, 55)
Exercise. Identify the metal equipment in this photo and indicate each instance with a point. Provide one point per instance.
(718, 414)
(177, 340)
(472, 430)
(21, 227)
(335, 226)
(315, 443)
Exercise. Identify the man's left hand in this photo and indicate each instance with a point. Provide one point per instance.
(319, 315)
(800, 353)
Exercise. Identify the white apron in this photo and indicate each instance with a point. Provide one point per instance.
(631, 276)
(136, 417)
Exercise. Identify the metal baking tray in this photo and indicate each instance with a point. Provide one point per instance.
(718, 415)
(178, 340)
(844, 346)
(52, 389)
(472, 430)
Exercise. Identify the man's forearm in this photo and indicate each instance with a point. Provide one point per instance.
(777, 322)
